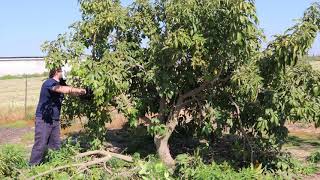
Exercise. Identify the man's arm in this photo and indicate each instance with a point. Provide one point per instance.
(69, 90)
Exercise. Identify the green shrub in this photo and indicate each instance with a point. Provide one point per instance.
(64, 154)
(12, 158)
(13, 164)
(193, 167)
(153, 169)
(314, 157)
(290, 165)
(189, 167)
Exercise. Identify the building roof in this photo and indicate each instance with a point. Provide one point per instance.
(23, 58)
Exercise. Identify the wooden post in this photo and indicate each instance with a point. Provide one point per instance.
(25, 97)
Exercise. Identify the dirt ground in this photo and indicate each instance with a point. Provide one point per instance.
(10, 135)
(303, 139)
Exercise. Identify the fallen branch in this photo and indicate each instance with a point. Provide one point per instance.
(81, 165)
(107, 156)
(106, 168)
(105, 153)
(125, 174)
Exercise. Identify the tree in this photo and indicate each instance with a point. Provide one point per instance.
(175, 62)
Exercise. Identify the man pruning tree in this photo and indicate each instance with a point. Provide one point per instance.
(47, 124)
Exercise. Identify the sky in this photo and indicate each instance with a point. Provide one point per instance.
(26, 24)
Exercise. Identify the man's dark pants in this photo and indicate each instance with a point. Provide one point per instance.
(47, 135)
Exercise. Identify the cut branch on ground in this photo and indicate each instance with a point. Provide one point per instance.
(106, 157)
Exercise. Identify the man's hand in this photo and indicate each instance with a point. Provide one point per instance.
(78, 91)
(88, 96)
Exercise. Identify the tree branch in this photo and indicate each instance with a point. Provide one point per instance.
(162, 107)
(106, 168)
(243, 132)
(105, 153)
(193, 98)
(107, 156)
(82, 165)
(204, 86)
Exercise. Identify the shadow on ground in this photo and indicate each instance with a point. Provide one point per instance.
(128, 140)
(229, 148)
(302, 142)
(125, 140)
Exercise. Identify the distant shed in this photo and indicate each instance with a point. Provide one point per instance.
(21, 65)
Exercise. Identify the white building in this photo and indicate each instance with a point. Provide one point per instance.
(21, 65)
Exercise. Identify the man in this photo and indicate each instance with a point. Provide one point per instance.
(47, 124)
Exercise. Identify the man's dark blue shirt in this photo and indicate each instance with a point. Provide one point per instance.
(49, 105)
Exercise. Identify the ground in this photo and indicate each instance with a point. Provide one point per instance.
(303, 140)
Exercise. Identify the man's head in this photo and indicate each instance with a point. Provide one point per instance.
(57, 73)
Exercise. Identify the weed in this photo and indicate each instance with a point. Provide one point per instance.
(314, 157)
(12, 158)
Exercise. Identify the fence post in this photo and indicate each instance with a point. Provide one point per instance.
(25, 97)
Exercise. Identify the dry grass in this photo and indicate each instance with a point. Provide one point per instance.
(118, 121)
(303, 140)
(12, 98)
(12, 92)
(74, 128)
(10, 114)
(315, 64)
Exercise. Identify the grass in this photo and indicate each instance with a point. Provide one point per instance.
(314, 58)
(29, 136)
(8, 77)
(11, 114)
(12, 98)
(12, 92)
(306, 135)
(315, 62)
(15, 124)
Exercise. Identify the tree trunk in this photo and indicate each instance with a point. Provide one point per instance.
(161, 141)
(163, 150)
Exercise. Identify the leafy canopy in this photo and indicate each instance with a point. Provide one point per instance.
(182, 61)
